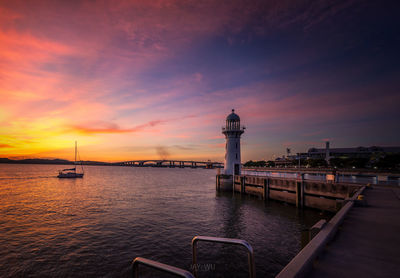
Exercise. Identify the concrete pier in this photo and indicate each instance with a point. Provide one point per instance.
(368, 244)
(303, 193)
(361, 240)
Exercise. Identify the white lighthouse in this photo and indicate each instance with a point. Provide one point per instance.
(232, 132)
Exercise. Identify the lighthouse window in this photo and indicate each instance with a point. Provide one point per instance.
(236, 156)
(236, 145)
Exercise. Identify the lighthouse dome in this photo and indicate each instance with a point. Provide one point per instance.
(233, 116)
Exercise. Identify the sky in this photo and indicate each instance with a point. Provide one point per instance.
(155, 79)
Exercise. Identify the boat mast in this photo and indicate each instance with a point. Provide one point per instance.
(75, 157)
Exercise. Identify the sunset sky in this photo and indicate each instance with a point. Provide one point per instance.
(156, 79)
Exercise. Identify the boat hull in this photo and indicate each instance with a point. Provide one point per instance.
(70, 175)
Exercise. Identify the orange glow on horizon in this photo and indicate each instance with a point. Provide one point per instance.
(128, 77)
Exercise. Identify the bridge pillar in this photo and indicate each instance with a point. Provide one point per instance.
(300, 192)
(266, 189)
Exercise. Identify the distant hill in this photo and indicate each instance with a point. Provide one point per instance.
(49, 161)
(35, 161)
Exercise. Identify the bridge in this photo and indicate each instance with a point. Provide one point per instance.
(172, 163)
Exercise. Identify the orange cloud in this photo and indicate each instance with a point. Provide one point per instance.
(5, 146)
(112, 128)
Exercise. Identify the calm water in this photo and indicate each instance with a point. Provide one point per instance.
(95, 226)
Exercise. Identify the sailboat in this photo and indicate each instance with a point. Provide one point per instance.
(71, 173)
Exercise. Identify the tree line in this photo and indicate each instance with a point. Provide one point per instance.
(376, 161)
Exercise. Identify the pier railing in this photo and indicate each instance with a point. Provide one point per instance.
(184, 273)
(300, 265)
(232, 241)
(160, 266)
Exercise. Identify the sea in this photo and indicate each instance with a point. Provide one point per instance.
(97, 225)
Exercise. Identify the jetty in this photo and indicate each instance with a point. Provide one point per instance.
(368, 242)
(361, 240)
(322, 195)
(380, 174)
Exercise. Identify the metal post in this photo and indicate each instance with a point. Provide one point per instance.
(302, 191)
(160, 266)
(233, 241)
(265, 189)
(298, 189)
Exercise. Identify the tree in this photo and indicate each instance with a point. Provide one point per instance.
(252, 163)
(270, 163)
(248, 163)
(349, 162)
(317, 162)
(390, 161)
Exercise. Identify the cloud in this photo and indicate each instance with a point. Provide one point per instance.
(105, 127)
(301, 144)
(189, 147)
(6, 146)
(216, 146)
(170, 71)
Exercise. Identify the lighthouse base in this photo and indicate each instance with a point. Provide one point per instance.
(224, 183)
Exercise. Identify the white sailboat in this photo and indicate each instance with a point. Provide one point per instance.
(71, 173)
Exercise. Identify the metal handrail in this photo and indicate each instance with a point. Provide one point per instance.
(233, 241)
(160, 266)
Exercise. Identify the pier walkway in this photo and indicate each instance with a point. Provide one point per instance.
(368, 243)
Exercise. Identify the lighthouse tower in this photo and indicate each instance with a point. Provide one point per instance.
(232, 132)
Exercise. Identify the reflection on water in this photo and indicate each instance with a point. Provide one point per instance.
(95, 226)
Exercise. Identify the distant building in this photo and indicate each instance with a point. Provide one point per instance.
(358, 152)
(284, 161)
(328, 153)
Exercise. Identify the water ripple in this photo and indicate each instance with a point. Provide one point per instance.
(95, 226)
